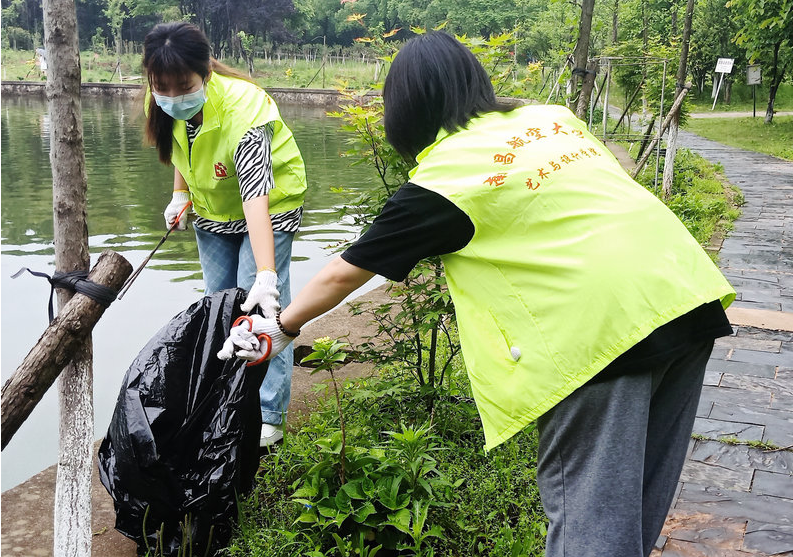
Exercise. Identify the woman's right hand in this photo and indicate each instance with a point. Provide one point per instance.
(179, 199)
(243, 343)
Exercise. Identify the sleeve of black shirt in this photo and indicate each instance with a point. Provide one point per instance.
(415, 223)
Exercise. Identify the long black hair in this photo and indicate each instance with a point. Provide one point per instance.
(434, 82)
(174, 51)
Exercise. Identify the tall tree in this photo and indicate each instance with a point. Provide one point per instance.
(581, 71)
(766, 31)
(72, 532)
(682, 72)
(713, 28)
(116, 13)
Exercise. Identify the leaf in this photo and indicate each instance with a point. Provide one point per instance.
(354, 489)
(308, 516)
(400, 520)
(343, 501)
(327, 508)
(365, 511)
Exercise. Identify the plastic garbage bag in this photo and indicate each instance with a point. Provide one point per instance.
(183, 441)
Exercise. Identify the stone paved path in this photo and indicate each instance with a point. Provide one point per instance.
(735, 499)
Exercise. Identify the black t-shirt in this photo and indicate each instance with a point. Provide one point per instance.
(417, 223)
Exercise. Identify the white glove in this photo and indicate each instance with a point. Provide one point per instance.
(244, 344)
(239, 338)
(264, 293)
(178, 201)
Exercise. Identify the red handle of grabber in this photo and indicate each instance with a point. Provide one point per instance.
(262, 337)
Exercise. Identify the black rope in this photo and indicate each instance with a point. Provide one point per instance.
(583, 72)
(75, 281)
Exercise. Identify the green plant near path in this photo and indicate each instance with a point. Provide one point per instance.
(700, 198)
(328, 353)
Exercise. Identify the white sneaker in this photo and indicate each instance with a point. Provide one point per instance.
(271, 434)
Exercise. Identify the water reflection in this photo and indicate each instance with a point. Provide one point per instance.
(127, 192)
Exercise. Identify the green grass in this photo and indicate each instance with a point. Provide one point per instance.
(296, 72)
(741, 99)
(748, 133)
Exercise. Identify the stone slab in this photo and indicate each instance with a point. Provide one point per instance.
(737, 342)
(716, 476)
(679, 548)
(712, 378)
(780, 387)
(735, 504)
(766, 334)
(773, 483)
(768, 539)
(742, 457)
(728, 397)
(717, 429)
(695, 527)
(778, 423)
(758, 306)
(781, 358)
(726, 366)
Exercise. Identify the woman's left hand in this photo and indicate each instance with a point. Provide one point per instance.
(264, 293)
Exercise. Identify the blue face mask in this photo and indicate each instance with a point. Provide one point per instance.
(182, 107)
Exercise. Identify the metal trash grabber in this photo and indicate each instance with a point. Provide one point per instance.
(137, 271)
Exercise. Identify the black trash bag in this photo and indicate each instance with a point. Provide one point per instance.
(184, 438)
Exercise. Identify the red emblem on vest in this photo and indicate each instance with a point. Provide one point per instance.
(220, 170)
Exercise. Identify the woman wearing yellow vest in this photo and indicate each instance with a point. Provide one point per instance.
(237, 162)
(582, 301)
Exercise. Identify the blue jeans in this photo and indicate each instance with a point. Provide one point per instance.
(227, 262)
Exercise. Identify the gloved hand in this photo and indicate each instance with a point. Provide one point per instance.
(178, 201)
(264, 293)
(243, 343)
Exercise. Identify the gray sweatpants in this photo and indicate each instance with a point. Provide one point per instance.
(610, 456)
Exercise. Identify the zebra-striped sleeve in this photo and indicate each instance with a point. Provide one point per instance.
(254, 162)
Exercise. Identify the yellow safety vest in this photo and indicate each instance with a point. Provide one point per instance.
(571, 262)
(233, 107)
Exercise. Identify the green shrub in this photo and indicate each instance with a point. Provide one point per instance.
(426, 489)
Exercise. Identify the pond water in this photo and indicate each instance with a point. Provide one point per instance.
(127, 192)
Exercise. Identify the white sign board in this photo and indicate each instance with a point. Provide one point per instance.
(724, 65)
(754, 75)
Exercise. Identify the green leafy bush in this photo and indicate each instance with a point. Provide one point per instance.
(427, 488)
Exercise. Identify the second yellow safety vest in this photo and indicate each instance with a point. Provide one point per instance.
(571, 262)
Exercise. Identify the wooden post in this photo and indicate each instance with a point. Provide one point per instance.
(669, 116)
(56, 347)
(72, 528)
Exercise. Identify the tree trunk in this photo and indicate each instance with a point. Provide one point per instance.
(72, 529)
(615, 22)
(671, 144)
(672, 113)
(669, 160)
(581, 51)
(62, 339)
(586, 89)
(776, 80)
(645, 40)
